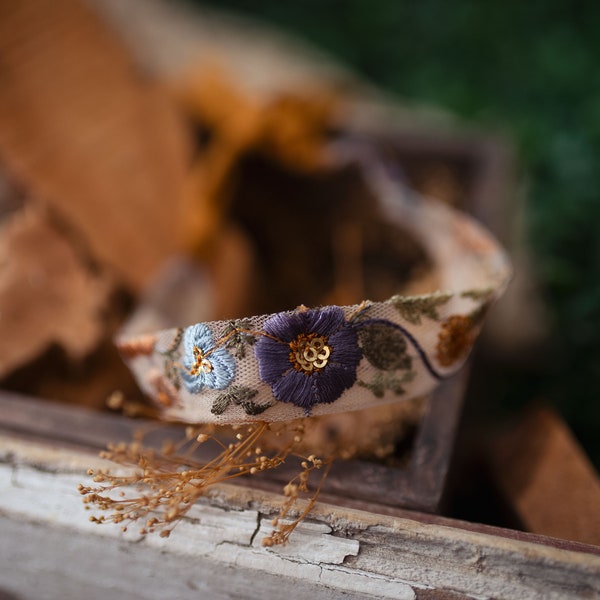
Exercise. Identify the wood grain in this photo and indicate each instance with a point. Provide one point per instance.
(217, 552)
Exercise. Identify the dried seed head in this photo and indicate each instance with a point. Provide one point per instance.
(116, 400)
(171, 480)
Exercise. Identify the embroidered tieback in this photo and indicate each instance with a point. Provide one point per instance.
(331, 359)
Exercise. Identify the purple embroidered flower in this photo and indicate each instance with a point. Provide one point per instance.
(203, 364)
(308, 357)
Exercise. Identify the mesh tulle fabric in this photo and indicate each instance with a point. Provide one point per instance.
(473, 271)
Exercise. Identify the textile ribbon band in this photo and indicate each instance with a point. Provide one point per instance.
(331, 359)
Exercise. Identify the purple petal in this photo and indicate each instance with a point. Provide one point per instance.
(295, 388)
(307, 389)
(330, 387)
(324, 321)
(288, 326)
(283, 326)
(345, 350)
(273, 359)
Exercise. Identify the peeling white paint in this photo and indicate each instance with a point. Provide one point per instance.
(217, 553)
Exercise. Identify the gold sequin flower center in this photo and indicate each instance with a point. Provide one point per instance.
(309, 352)
(201, 364)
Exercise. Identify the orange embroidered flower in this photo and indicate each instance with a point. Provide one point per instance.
(454, 339)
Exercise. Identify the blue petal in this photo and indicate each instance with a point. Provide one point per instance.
(193, 383)
(197, 335)
(223, 369)
(223, 364)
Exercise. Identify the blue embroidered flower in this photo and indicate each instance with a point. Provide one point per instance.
(203, 364)
(308, 357)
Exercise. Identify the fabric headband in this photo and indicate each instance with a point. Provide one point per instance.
(331, 359)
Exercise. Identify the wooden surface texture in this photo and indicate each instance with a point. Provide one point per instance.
(348, 548)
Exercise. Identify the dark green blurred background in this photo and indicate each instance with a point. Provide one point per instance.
(530, 70)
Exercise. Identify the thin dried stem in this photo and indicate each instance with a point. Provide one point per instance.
(283, 530)
(159, 487)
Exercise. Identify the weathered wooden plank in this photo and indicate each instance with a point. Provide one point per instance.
(338, 553)
(62, 428)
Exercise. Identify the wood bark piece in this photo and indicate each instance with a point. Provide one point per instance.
(89, 135)
(547, 479)
(47, 295)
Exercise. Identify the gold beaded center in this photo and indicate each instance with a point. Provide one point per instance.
(309, 352)
(201, 364)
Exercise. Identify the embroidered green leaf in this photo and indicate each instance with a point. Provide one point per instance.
(172, 354)
(384, 347)
(412, 308)
(220, 404)
(172, 350)
(238, 337)
(172, 373)
(478, 293)
(252, 408)
(383, 382)
(238, 395)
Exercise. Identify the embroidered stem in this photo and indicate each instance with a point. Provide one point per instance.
(411, 339)
(360, 309)
(253, 332)
(175, 343)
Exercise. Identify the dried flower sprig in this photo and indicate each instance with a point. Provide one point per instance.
(158, 487)
(292, 491)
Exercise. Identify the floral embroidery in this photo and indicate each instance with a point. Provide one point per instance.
(308, 357)
(479, 294)
(454, 339)
(309, 352)
(172, 355)
(238, 337)
(239, 395)
(384, 347)
(412, 308)
(388, 381)
(204, 364)
(142, 346)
